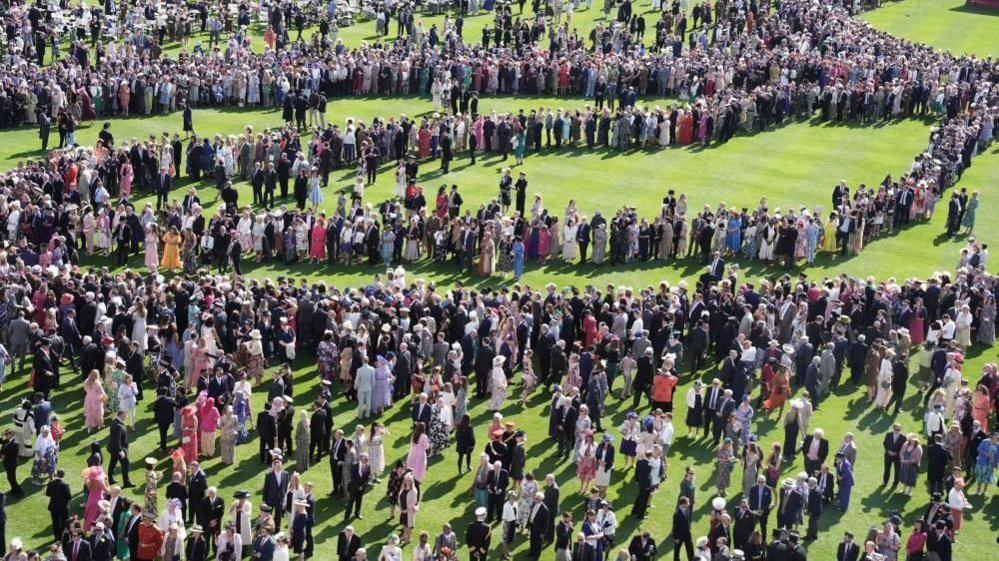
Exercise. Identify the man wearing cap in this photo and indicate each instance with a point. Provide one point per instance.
(150, 539)
(347, 544)
(478, 535)
(275, 488)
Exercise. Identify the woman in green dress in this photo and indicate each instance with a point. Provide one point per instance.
(518, 148)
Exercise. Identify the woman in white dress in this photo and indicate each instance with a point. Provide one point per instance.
(883, 394)
(139, 334)
(376, 449)
(570, 247)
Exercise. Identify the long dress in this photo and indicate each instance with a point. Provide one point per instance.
(416, 460)
(376, 454)
(487, 256)
(94, 482)
(171, 251)
(93, 405)
(152, 250)
(229, 427)
(189, 433)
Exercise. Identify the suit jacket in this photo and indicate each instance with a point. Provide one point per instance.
(893, 443)
(681, 524)
(118, 442)
(642, 551)
(538, 519)
(211, 511)
(823, 447)
(422, 413)
(843, 555)
(83, 550)
(59, 495)
(643, 474)
(361, 474)
(497, 483)
(346, 547)
(131, 532)
(275, 488)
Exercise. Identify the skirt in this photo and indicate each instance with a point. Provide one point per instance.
(603, 477)
(628, 448)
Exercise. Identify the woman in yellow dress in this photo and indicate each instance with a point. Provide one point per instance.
(171, 252)
(829, 233)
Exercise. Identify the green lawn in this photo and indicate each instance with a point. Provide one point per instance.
(794, 165)
(944, 24)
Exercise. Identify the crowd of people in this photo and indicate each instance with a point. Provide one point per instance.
(203, 344)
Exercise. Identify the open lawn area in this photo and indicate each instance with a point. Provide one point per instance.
(792, 166)
(944, 24)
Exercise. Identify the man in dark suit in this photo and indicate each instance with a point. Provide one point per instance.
(743, 524)
(347, 544)
(267, 429)
(497, 481)
(11, 451)
(761, 500)
(275, 488)
(813, 505)
(814, 448)
(59, 495)
(681, 529)
(847, 550)
(132, 526)
(643, 477)
(478, 535)
(75, 547)
(422, 411)
(360, 476)
(102, 543)
(118, 449)
(338, 452)
(538, 523)
(892, 445)
(262, 545)
(583, 238)
(210, 515)
(163, 185)
(642, 547)
(197, 487)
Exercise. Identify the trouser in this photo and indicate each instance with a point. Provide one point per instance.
(467, 456)
(363, 404)
(813, 526)
(354, 503)
(337, 470)
(495, 506)
(278, 512)
(15, 488)
(641, 502)
(115, 459)
(163, 434)
(896, 398)
(58, 524)
(889, 462)
(687, 544)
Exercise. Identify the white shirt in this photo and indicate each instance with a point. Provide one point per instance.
(509, 512)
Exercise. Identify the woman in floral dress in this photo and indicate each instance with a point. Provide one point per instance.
(46, 455)
(93, 402)
(302, 442)
(327, 356)
(726, 460)
(189, 254)
(440, 427)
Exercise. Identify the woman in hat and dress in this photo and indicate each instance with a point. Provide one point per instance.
(189, 431)
(629, 429)
(416, 460)
(408, 501)
(95, 481)
(152, 480)
(909, 458)
(779, 389)
(381, 394)
(497, 384)
(302, 434)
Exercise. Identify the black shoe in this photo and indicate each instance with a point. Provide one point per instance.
(128, 485)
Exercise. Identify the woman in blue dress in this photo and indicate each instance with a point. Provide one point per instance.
(518, 258)
(381, 394)
(733, 237)
(532, 245)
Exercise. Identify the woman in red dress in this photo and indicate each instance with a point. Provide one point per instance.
(189, 431)
(424, 141)
(686, 132)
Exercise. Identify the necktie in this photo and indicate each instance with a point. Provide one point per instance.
(76, 548)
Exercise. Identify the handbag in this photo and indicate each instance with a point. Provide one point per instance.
(289, 351)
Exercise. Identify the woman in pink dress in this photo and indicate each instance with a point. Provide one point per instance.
(96, 483)
(586, 468)
(981, 408)
(480, 133)
(189, 432)
(544, 243)
(124, 97)
(125, 176)
(208, 419)
(152, 248)
(317, 249)
(417, 458)
(93, 402)
(916, 323)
